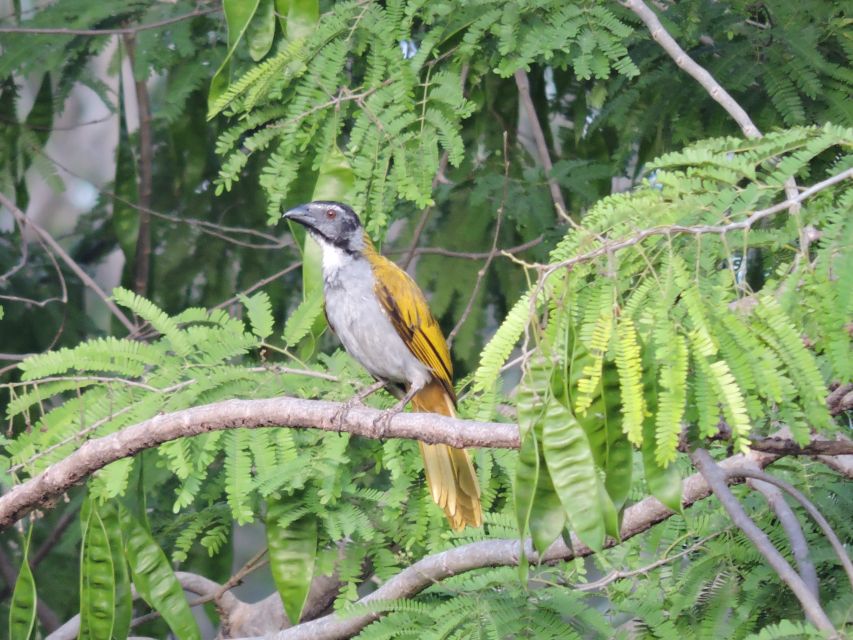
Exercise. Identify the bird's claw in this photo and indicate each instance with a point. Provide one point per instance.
(345, 408)
(383, 422)
(356, 401)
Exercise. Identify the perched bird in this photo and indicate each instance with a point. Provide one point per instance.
(382, 318)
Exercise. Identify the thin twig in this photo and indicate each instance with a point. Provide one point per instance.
(63, 31)
(260, 283)
(523, 84)
(69, 262)
(220, 231)
(481, 274)
(213, 596)
(472, 255)
(716, 479)
(613, 576)
(675, 229)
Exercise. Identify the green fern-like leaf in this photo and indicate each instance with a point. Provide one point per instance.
(259, 309)
(671, 399)
(630, 380)
(158, 319)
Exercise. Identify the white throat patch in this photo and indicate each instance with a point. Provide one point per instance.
(333, 258)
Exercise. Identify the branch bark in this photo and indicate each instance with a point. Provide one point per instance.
(716, 477)
(797, 539)
(704, 78)
(812, 510)
(142, 255)
(499, 553)
(42, 489)
(523, 84)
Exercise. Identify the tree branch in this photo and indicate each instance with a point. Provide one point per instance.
(62, 31)
(70, 263)
(44, 488)
(797, 539)
(812, 510)
(230, 414)
(686, 63)
(523, 84)
(675, 229)
(500, 553)
(704, 78)
(816, 447)
(142, 255)
(715, 476)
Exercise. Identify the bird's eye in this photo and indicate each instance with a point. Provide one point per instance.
(331, 214)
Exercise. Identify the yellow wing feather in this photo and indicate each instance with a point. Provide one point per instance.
(451, 476)
(409, 312)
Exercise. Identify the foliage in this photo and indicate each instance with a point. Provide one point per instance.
(645, 323)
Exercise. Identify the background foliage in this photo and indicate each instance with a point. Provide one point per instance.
(410, 112)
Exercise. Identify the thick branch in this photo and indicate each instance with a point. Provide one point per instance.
(715, 476)
(812, 510)
(499, 553)
(231, 414)
(787, 447)
(95, 454)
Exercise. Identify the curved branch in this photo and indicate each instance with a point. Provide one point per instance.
(791, 525)
(690, 66)
(499, 553)
(190, 582)
(807, 505)
(41, 490)
(252, 414)
(68, 260)
(716, 478)
(708, 82)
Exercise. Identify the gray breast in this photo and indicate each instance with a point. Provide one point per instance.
(362, 325)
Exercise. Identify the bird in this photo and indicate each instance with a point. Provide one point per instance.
(383, 320)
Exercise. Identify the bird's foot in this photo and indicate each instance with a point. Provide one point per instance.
(356, 401)
(383, 420)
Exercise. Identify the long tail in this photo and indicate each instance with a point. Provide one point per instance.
(449, 472)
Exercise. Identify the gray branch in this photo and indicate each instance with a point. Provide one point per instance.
(501, 553)
(95, 454)
(810, 508)
(796, 537)
(716, 477)
(704, 78)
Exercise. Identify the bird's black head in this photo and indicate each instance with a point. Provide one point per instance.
(331, 222)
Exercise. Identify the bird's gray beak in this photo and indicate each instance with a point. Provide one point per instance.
(300, 214)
